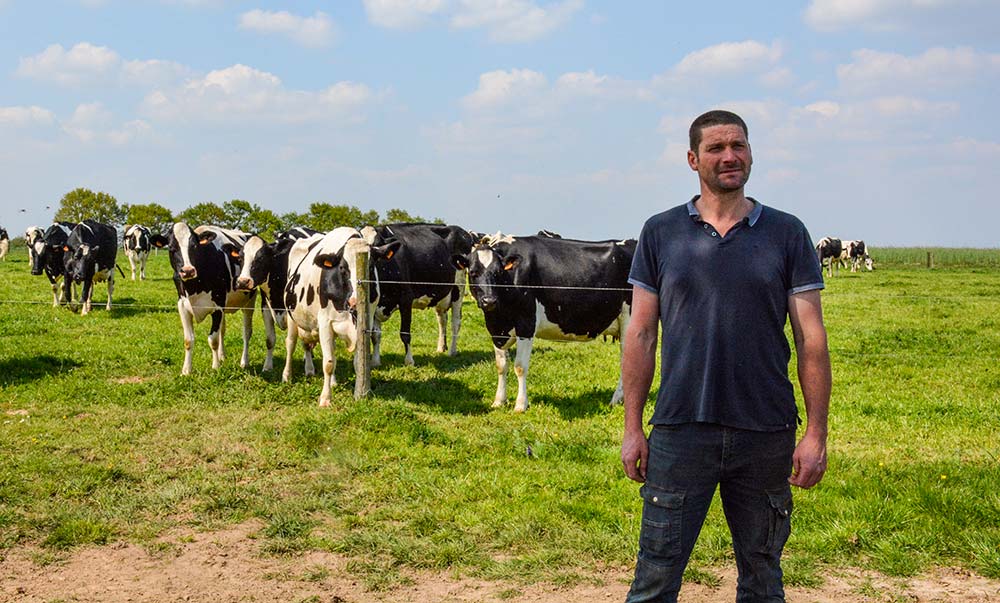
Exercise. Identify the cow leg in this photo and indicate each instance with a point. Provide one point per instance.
(405, 322)
(442, 318)
(501, 360)
(269, 335)
(111, 288)
(623, 319)
(187, 326)
(88, 292)
(307, 363)
(142, 266)
(215, 336)
(456, 325)
(247, 332)
(291, 338)
(522, 359)
(56, 290)
(376, 342)
(131, 263)
(326, 341)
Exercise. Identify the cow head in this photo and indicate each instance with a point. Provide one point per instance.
(81, 261)
(490, 271)
(256, 260)
(185, 245)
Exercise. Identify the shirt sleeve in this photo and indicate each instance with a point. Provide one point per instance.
(644, 266)
(806, 273)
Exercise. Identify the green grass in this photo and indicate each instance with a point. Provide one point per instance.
(103, 440)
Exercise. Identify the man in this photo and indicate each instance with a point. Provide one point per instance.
(721, 274)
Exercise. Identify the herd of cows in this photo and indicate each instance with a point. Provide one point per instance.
(307, 281)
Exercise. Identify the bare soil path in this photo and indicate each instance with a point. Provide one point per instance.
(225, 566)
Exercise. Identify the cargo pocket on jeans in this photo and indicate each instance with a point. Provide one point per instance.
(780, 523)
(660, 535)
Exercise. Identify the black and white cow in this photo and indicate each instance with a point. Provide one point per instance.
(857, 254)
(421, 275)
(558, 289)
(4, 243)
(90, 253)
(137, 243)
(265, 266)
(205, 263)
(321, 295)
(32, 234)
(829, 250)
(47, 256)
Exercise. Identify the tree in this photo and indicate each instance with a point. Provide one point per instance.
(81, 203)
(203, 213)
(395, 215)
(325, 217)
(151, 215)
(248, 217)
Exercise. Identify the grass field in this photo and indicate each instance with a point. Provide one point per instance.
(101, 439)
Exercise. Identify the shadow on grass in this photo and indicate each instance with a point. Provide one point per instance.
(443, 394)
(15, 371)
(582, 405)
(440, 361)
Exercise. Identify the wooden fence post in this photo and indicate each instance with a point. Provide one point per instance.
(930, 259)
(362, 353)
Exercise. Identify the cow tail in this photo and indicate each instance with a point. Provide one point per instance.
(120, 271)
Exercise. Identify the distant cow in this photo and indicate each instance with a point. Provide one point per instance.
(420, 275)
(137, 243)
(90, 253)
(47, 255)
(828, 251)
(265, 266)
(321, 295)
(205, 263)
(4, 243)
(857, 254)
(32, 234)
(558, 289)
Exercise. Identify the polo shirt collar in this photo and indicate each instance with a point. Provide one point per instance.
(751, 218)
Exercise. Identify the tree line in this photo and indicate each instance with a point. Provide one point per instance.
(81, 203)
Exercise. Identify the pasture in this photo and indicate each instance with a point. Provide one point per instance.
(103, 440)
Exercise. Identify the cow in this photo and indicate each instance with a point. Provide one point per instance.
(557, 289)
(205, 264)
(265, 266)
(89, 256)
(857, 254)
(321, 296)
(4, 243)
(137, 243)
(828, 251)
(32, 234)
(47, 255)
(421, 275)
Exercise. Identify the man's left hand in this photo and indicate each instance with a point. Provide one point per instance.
(808, 462)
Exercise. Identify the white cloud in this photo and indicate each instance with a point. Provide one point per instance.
(824, 108)
(935, 69)
(87, 64)
(82, 63)
(316, 31)
(887, 15)
(505, 20)
(513, 20)
(26, 116)
(240, 93)
(729, 58)
(402, 14)
(503, 87)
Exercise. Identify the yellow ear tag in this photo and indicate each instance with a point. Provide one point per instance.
(389, 255)
(234, 253)
(508, 266)
(328, 264)
(202, 242)
(65, 247)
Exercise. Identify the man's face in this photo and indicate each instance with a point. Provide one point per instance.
(723, 159)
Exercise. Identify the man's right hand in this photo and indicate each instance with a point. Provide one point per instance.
(635, 453)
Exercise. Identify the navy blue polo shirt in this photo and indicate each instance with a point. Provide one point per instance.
(723, 307)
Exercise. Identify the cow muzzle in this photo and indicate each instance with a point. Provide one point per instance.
(188, 272)
(488, 303)
(244, 283)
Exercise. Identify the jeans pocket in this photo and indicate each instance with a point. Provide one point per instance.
(780, 523)
(660, 535)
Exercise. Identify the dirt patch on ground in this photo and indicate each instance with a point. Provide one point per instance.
(226, 566)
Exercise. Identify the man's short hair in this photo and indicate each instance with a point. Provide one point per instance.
(716, 117)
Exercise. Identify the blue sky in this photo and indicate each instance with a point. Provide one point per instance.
(870, 119)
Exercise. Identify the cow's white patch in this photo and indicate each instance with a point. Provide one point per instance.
(546, 329)
(422, 302)
(485, 257)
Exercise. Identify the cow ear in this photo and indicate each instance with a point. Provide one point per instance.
(328, 260)
(460, 261)
(234, 253)
(511, 261)
(206, 237)
(386, 251)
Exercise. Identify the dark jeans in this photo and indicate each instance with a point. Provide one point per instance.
(686, 462)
